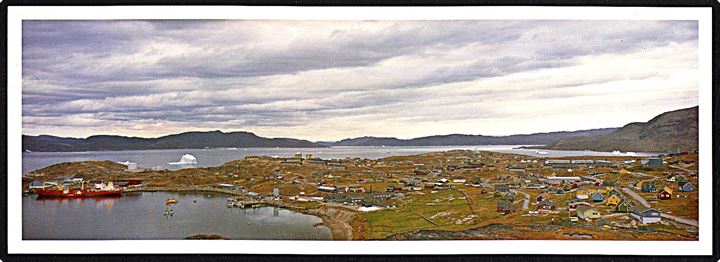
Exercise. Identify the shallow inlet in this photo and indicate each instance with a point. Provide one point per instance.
(140, 216)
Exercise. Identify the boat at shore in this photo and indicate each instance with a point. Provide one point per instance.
(58, 190)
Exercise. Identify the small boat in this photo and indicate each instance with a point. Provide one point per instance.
(171, 201)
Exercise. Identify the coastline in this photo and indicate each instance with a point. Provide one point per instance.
(333, 218)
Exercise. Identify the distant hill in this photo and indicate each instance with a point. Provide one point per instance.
(188, 140)
(458, 139)
(667, 132)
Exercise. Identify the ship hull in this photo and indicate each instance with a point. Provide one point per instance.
(77, 193)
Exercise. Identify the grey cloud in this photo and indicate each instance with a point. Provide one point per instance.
(223, 73)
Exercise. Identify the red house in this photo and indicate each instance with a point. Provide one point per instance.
(664, 195)
(541, 197)
(546, 205)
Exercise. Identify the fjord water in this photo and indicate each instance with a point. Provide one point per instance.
(218, 156)
(140, 216)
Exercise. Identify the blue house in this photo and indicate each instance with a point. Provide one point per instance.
(597, 197)
(687, 187)
(648, 187)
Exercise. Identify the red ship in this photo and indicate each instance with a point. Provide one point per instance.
(82, 191)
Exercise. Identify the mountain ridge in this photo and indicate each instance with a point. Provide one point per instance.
(185, 140)
(465, 139)
(671, 131)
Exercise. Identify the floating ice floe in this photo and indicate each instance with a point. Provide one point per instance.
(130, 165)
(186, 159)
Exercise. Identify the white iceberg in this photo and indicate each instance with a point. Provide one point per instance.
(186, 159)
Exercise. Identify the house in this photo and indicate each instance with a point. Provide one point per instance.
(670, 178)
(228, 186)
(612, 200)
(442, 186)
(421, 172)
(597, 197)
(587, 213)
(609, 183)
(505, 206)
(581, 194)
(560, 191)
(679, 179)
(252, 195)
(502, 188)
(509, 197)
(687, 187)
(558, 163)
(623, 206)
(343, 198)
(645, 214)
(647, 187)
(476, 181)
(392, 188)
(354, 189)
(541, 197)
(575, 203)
(616, 192)
(327, 188)
(457, 181)
(336, 166)
(556, 180)
(637, 185)
(516, 168)
(546, 205)
(665, 194)
(652, 162)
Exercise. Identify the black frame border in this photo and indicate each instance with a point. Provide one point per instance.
(715, 4)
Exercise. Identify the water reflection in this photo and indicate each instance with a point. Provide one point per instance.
(141, 216)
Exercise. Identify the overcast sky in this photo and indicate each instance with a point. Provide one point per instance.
(328, 80)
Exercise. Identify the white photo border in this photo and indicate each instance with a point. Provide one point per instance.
(16, 245)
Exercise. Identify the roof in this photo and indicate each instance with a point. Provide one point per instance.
(504, 204)
(564, 177)
(546, 202)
